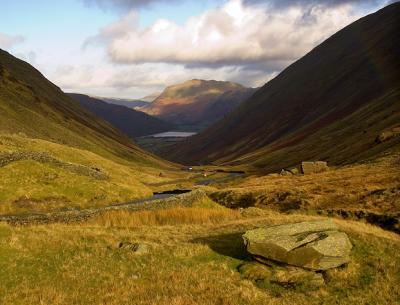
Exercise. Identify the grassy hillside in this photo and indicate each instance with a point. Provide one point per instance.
(56, 155)
(129, 121)
(331, 104)
(192, 102)
(27, 97)
(42, 176)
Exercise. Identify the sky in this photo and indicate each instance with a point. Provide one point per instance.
(133, 48)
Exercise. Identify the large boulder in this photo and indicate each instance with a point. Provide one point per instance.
(314, 167)
(316, 245)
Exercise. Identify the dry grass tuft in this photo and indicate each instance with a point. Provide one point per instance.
(173, 216)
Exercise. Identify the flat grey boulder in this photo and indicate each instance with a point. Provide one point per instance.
(316, 245)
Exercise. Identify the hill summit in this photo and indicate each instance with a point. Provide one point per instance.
(193, 102)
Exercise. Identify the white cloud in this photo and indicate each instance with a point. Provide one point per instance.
(249, 44)
(234, 34)
(8, 41)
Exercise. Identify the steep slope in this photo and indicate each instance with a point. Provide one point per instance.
(331, 104)
(191, 102)
(32, 105)
(226, 103)
(55, 155)
(131, 122)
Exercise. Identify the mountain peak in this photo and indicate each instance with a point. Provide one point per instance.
(191, 102)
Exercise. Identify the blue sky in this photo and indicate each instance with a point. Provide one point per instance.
(131, 48)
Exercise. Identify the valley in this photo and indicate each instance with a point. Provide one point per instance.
(159, 142)
(208, 191)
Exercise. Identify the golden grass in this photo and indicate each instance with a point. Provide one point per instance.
(350, 188)
(187, 264)
(173, 216)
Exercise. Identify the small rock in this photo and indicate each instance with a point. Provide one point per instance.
(135, 247)
(285, 172)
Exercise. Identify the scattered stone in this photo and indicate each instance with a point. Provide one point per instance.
(314, 245)
(135, 247)
(285, 172)
(314, 167)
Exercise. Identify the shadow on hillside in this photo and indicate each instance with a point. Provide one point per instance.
(226, 244)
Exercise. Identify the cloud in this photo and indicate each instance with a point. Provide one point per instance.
(128, 5)
(136, 81)
(239, 41)
(305, 3)
(8, 41)
(124, 4)
(234, 34)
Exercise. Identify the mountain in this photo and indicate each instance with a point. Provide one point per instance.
(151, 97)
(54, 154)
(330, 105)
(131, 103)
(131, 122)
(123, 102)
(192, 102)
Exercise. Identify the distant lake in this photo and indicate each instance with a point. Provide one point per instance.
(173, 134)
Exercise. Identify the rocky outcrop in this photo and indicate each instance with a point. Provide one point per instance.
(305, 168)
(311, 245)
(314, 167)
